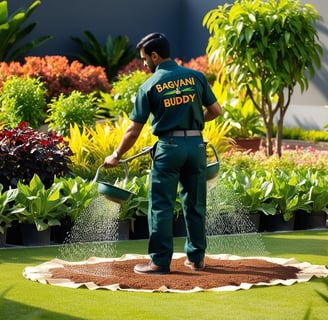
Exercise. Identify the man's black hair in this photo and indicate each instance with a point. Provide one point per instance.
(155, 42)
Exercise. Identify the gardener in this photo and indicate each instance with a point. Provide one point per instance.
(174, 96)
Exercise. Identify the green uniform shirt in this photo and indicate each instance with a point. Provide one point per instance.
(173, 96)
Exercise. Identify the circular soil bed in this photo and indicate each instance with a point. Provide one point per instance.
(218, 273)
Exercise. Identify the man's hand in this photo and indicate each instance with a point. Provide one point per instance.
(129, 138)
(111, 161)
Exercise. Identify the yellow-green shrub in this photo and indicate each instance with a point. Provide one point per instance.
(90, 146)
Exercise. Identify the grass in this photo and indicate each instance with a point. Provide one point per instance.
(25, 299)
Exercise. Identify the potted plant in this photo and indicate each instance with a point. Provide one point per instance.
(316, 186)
(42, 208)
(7, 211)
(253, 191)
(79, 193)
(288, 196)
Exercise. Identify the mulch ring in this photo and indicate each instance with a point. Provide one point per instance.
(222, 273)
(218, 273)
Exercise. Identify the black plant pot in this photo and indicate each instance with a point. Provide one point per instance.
(14, 236)
(3, 237)
(124, 229)
(139, 228)
(277, 223)
(255, 219)
(310, 220)
(32, 237)
(60, 234)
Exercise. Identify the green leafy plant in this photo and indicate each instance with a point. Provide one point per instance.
(137, 205)
(25, 151)
(113, 55)
(7, 208)
(288, 194)
(23, 99)
(122, 96)
(78, 192)
(298, 133)
(42, 207)
(251, 188)
(65, 111)
(316, 185)
(268, 48)
(13, 31)
(90, 146)
(244, 119)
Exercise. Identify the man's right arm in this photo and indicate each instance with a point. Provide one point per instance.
(212, 111)
(129, 138)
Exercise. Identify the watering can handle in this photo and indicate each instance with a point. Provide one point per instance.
(145, 150)
(214, 151)
(97, 174)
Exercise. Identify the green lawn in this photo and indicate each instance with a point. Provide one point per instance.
(25, 299)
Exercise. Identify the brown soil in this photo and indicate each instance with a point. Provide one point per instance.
(218, 273)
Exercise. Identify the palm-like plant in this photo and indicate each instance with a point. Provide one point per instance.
(12, 32)
(116, 53)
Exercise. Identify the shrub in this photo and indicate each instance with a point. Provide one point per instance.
(25, 152)
(91, 146)
(135, 64)
(202, 64)
(298, 133)
(123, 94)
(77, 108)
(41, 206)
(23, 99)
(58, 75)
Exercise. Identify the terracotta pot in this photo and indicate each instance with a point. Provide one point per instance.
(252, 144)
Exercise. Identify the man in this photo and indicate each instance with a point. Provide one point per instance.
(173, 97)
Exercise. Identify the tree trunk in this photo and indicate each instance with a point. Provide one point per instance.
(279, 136)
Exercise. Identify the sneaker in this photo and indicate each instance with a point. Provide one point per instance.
(195, 266)
(151, 268)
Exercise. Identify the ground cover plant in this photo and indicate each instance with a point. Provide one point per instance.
(24, 299)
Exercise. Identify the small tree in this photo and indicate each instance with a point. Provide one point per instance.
(267, 47)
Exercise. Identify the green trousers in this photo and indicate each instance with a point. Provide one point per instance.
(177, 161)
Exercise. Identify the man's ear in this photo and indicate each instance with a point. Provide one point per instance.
(155, 57)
